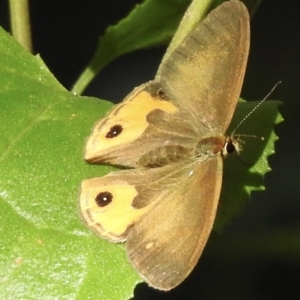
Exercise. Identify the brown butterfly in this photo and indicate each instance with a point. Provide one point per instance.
(171, 133)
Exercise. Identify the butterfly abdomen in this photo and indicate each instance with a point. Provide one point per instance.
(165, 155)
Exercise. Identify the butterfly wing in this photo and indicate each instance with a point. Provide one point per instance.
(146, 120)
(204, 75)
(166, 243)
(166, 214)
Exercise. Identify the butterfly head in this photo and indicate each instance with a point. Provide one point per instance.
(232, 144)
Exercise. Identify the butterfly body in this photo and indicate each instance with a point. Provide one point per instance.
(171, 133)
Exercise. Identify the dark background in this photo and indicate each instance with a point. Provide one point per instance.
(233, 266)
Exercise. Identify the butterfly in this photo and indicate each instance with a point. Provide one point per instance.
(170, 133)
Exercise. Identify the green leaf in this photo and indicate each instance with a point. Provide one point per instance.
(45, 247)
(20, 70)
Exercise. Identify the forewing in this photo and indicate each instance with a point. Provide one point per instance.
(143, 122)
(204, 75)
(165, 244)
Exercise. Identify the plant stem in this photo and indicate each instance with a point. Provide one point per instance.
(20, 23)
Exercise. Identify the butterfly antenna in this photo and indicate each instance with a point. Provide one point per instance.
(255, 108)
